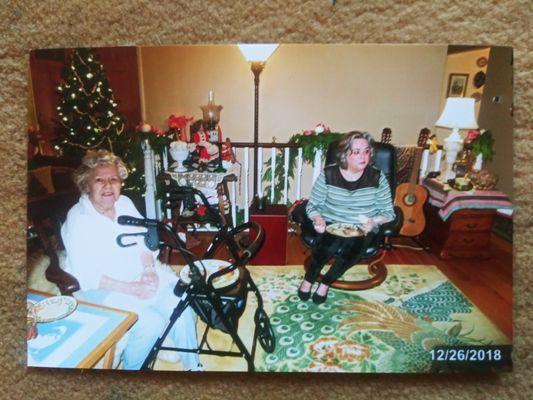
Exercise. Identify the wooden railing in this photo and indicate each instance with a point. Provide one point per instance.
(240, 191)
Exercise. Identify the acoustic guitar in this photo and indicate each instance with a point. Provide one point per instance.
(410, 197)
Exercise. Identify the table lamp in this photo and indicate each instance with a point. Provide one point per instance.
(458, 113)
(257, 55)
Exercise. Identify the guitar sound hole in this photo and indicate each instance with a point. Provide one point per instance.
(409, 199)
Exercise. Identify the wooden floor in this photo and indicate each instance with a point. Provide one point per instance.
(487, 283)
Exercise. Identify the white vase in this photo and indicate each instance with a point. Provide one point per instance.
(478, 164)
(179, 156)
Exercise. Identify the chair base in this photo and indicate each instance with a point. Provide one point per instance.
(376, 268)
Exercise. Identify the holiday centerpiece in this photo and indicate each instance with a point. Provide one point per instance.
(481, 144)
(206, 151)
(310, 140)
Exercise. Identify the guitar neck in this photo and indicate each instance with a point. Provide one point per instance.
(413, 180)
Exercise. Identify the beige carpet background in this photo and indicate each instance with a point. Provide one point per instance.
(43, 24)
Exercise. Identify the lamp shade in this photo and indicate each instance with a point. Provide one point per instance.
(257, 52)
(459, 112)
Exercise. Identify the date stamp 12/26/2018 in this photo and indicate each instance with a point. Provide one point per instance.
(471, 358)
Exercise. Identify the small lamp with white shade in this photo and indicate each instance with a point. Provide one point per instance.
(458, 113)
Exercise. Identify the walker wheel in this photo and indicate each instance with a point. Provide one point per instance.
(265, 336)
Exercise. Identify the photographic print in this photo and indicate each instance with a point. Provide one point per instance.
(270, 208)
(457, 85)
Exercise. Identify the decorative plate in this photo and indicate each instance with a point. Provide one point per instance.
(211, 266)
(29, 311)
(481, 62)
(479, 79)
(54, 308)
(344, 230)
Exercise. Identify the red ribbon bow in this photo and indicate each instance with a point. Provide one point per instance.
(179, 122)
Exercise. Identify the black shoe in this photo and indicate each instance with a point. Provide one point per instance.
(304, 296)
(318, 299)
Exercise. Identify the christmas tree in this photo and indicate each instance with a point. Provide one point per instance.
(88, 116)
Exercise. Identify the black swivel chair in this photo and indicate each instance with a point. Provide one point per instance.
(385, 160)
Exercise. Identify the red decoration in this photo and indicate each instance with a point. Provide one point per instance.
(227, 151)
(179, 123)
(319, 129)
(145, 127)
(472, 135)
(199, 136)
(200, 210)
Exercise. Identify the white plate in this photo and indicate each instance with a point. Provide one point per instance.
(212, 266)
(344, 230)
(29, 311)
(54, 308)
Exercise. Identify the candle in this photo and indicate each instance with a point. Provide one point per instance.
(211, 97)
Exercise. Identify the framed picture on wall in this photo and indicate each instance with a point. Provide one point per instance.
(457, 85)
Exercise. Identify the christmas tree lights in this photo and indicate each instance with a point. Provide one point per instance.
(88, 117)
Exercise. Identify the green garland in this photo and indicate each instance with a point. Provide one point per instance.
(309, 144)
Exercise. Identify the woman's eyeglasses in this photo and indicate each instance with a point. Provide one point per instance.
(366, 151)
(112, 180)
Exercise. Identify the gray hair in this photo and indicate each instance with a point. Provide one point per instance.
(345, 146)
(93, 159)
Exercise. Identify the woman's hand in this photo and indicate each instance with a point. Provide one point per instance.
(319, 224)
(373, 222)
(150, 277)
(143, 290)
(369, 224)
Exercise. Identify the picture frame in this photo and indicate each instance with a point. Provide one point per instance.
(457, 84)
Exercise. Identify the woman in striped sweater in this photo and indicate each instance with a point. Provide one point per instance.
(351, 191)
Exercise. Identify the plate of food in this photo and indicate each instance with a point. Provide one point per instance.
(53, 308)
(210, 267)
(344, 230)
(460, 184)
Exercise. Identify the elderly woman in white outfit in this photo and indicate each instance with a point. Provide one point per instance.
(122, 277)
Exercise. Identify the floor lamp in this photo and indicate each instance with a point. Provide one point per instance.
(257, 55)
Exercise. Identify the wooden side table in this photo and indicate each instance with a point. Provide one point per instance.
(465, 234)
(275, 221)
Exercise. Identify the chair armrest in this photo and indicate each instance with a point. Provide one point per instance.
(251, 250)
(392, 228)
(66, 283)
(297, 214)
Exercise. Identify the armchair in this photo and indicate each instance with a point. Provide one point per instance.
(48, 205)
(385, 160)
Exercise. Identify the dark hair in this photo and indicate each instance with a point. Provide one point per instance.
(345, 146)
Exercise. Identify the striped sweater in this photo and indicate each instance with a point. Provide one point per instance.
(338, 200)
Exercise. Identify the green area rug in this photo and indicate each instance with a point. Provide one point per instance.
(391, 328)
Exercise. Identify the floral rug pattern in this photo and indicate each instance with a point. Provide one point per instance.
(390, 328)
